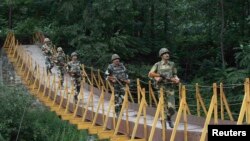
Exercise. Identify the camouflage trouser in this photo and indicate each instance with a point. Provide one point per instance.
(77, 84)
(119, 96)
(60, 70)
(169, 100)
(49, 64)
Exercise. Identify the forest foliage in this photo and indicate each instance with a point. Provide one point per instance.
(24, 119)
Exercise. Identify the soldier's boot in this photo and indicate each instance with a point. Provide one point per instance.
(76, 98)
(117, 111)
(48, 72)
(169, 121)
(61, 84)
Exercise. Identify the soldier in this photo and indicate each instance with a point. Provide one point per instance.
(46, 48)
(117, 75)
(165, 74)
(60, 62)
(75, 71)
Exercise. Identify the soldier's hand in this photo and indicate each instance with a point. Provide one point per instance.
(157, 79)
(127, 81)
(112, 79)
(175, 80)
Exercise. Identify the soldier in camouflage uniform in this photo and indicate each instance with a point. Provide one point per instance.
(75, 71)
(165, 74)
(47, 51)
(60, 63)
(116, 73)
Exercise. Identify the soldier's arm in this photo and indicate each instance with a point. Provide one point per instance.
(153, 72)
(80, 67)
(51, 52)
(68, 67)
(69, 70)
(175, 78)
(55, 58)
(43, 47)
(108, 74)
(127, 80)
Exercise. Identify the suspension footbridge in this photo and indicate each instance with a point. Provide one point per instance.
(141, 113)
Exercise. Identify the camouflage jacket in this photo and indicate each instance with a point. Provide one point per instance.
(119, 71)
(47, 50)
(74, 68)
(60, 59)
(167, 69)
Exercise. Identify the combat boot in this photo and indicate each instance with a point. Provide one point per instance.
(61, 83)
(169, 121)
(117, 111)
(50, 71)
(76, 98)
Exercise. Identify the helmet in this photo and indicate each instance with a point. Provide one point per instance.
(59, 49)
(46, 40)
(73, 54)
(115, 56)
(162, 51)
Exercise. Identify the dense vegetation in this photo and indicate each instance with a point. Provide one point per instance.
(209, 39)
(24, 119)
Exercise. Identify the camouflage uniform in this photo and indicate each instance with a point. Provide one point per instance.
(48, 57)
(74, 68)
(169, 70)
(60, 62)
(120, 74)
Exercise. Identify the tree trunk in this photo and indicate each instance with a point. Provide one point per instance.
(243, 18)
(210, 20)
(152, 14)
(248, 14)
(222, 33)
(10, 14)
(166, 20)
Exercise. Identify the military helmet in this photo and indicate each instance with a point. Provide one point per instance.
(162, 51)
(46, 40)
(59, 49)
(115, 56)
(73, 54)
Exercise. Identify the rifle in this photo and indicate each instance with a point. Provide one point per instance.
(119, 81)
(166, 77)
